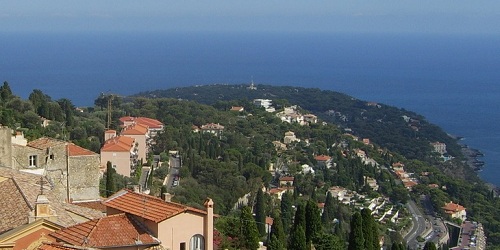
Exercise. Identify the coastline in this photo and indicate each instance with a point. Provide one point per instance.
(473, 157)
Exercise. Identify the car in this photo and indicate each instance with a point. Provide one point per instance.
(175, 183)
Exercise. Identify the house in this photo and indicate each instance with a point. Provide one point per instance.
(265, 103)
(277, 193)
(29, 236)
(286, 181)
(175, 225)
(324, 161)
(140, 134)
(290, 137)
(307, 169)
(212, 128)
(122, 152)
(439, 147)
(310, 118)
(67, 165)
(455, 210)
(279, 146)
(154, 126)
(237, 109)
(26, 198)
(118, 231)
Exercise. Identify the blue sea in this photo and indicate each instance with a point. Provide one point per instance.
(453, 80)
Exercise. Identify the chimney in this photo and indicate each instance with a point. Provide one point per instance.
(108, 134)
(209, 224)
(167, 197)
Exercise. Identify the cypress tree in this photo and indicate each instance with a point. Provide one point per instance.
(368, 233)
(260, 212)
(328, 211)
(298, 239)
(313, 222)
(110, 179)
(356, 240)
(249, 235)
(286, 211)
(277, 240)
(300, 217)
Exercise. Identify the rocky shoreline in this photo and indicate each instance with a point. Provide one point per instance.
(473, 160)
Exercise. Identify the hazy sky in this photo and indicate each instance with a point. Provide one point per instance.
(422, 16)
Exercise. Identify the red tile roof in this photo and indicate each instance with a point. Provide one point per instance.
(149, 122)
(111, 231)
(57, 246)
(322, 157)
(146, 206)
(451, 207)
(75, 150)
(136, 129)
(118, 144)
(287, 178)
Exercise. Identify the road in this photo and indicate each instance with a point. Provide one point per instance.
(418, 225)
(175, 165)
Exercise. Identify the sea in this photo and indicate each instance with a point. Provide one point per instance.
(451, 79)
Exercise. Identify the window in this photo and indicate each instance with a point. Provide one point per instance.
(183, 246)
(197, 242)
(32, 160)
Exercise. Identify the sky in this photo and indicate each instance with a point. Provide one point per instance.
(328, 16)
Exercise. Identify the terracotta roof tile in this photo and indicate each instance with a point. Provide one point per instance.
(96, 205)
(149, 122)
(451, 207)
(57, 246)
(14, 208)
(45, 142)
(136, 129)
(146, 206)
(26, 186)
(75, 150)
(322, 157)
(118, 144)
(110, 231)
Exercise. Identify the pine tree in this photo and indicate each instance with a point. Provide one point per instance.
(110, 179)
(313, 222)
(260, 212)
(356, 240)
(328, 242)
(249, 235)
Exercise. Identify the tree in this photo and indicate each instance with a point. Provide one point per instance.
(313, 222)
(277, 240)
(369, 230)
(356, 239)
(328, 242)
(298, 239)
(5, 92)
(260, 212)
(110, 179)
(430, 246)
(249, 235)
(286, 211)
(328, 211)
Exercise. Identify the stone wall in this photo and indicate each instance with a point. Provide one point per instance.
(5, 147)
(84, 177)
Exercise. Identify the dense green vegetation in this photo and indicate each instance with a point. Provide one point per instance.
(237, 163)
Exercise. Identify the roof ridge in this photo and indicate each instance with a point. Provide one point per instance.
(21, 192)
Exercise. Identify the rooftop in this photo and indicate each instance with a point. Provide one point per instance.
(146, 206)
(110, 231)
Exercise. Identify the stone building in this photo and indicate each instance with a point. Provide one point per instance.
(73, 170)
